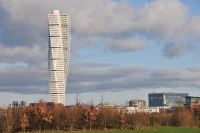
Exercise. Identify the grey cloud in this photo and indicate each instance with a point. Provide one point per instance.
(194, 69)
(103, 80)
(20, 79)
(175, 49)
(94, 65)
(125, 45)
(25, 80)
(180, 46)
(25, 89)
(123, 78)
(172, 75)
(24, 22)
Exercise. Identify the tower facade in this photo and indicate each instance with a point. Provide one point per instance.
(58, 55)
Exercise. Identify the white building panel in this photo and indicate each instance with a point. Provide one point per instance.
(56, 42)
(57, 87)
(55, 30)
(57, 65)
(54, 19)
(57, 76)
(56, 53)
(57, 98)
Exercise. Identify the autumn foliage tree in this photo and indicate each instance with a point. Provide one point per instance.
(41, 115)
(24, 122)
(122, 119)
(91, 115)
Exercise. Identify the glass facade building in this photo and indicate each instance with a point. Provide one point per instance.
(59, 53)
(167, 99)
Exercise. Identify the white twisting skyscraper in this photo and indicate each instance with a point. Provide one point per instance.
(59, 53)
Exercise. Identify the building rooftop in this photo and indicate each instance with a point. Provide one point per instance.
(168, 93)
(192, 97)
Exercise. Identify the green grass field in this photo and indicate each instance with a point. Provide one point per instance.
(148, 130)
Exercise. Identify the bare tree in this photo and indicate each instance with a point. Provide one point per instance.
(7, 121)
(72, 116)
(77, 99)
(187, 120)
(59, 116)
(103, 116)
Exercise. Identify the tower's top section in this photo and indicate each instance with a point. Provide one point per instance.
(55, 12)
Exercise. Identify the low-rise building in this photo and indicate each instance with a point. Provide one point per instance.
(131, 109)
(140, 106)
(192, 101)
(137, 103)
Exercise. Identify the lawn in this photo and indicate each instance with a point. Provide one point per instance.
(148, 130)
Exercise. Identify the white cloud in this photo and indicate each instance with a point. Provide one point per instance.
(24, 37)
(161, 18)
(101, 17)
(83, 41)
(25, 23)
(91, 17)
(193, 27)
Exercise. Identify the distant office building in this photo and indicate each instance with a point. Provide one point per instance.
(22, 103)
(47, 103)
(18, 104)
(59, 53)
(192, 101)
(137, 103)
(14, 103)
(167, 99)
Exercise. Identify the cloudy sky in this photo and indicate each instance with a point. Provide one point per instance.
(120, 49)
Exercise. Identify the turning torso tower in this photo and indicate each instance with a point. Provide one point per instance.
(59, 53)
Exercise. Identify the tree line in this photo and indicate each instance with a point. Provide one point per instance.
(42, 117)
